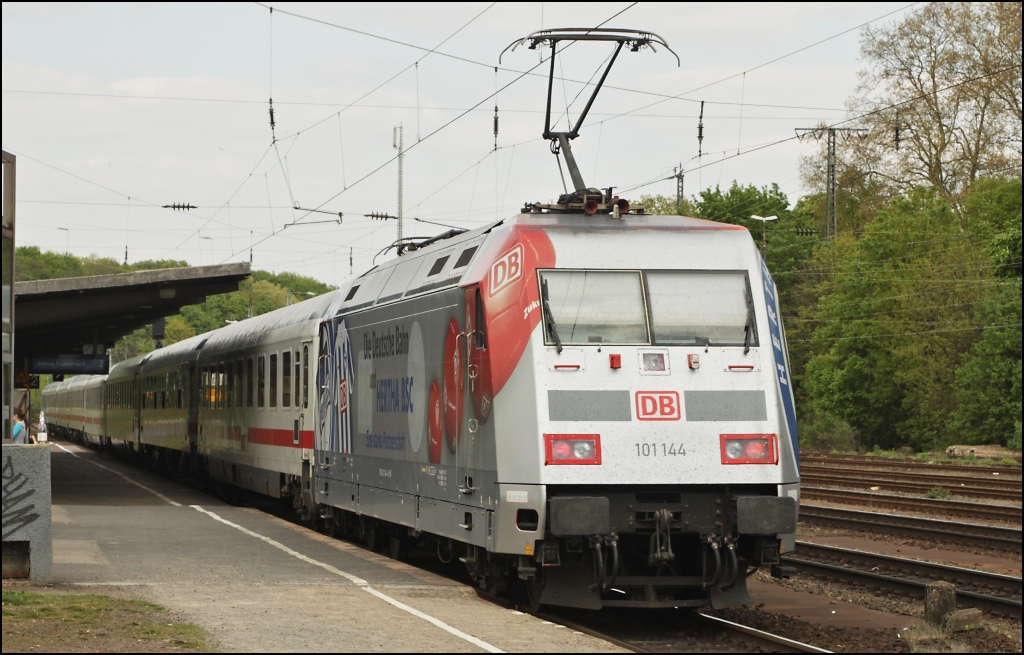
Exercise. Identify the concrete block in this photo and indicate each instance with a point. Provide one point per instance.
(961, 620)
(27, 529)
(939, 600)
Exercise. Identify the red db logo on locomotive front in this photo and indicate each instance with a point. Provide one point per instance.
(507, 269)
(657, 406)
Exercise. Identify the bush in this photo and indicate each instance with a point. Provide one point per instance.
(1014, 442)
(824, 431)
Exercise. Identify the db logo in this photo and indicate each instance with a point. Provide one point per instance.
(507, 269)
(657, 406)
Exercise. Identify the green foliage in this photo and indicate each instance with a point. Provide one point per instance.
(738, 203)
(1015, 441)
(824, 431)
(937, 493)
(665, 206)
(901, 310)
(265, 291)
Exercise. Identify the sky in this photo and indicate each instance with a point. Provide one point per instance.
(114, 110)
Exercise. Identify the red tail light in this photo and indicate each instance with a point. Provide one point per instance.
(749, 448)
(572, 449)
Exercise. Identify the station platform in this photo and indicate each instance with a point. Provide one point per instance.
(259, 583)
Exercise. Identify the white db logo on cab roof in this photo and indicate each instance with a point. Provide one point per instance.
(507, 269)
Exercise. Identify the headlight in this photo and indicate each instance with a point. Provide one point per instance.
(749, 448)
(572, 449)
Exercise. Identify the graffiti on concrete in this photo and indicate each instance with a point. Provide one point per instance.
(18, 512)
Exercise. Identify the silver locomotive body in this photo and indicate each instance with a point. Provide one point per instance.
(598, 407)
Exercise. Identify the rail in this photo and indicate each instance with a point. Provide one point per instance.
(903, 503)
(959, 532)
(992, 592)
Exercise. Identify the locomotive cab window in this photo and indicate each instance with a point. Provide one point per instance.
(586, 307)
(701, 308)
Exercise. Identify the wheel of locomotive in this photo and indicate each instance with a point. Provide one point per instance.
(532, 590)
(372, 535)
(400, 543)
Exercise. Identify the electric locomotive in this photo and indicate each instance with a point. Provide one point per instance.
(583, 400)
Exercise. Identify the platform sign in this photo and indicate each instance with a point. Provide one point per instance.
(26, 381)
(74, 364)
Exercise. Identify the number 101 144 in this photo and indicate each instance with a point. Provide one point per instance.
(660, 450)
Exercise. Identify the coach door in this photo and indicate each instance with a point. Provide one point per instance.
(302, 378)
(472, 379)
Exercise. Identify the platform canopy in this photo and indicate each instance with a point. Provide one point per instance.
(70, 316)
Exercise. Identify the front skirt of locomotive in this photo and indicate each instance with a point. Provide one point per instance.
(657, 547)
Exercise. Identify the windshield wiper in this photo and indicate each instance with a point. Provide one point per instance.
(748, 328)
(549, 317)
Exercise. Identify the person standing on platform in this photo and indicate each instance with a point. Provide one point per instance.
(18, 432)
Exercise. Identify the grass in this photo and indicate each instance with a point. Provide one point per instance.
(926, 639)
(938, 493)
(44, 622)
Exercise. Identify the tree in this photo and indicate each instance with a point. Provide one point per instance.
(664, 206)
(988, 383)
(946, 82)
(903, 307)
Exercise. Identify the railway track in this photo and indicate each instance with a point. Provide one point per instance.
(941, 479)
(955, 508)
(909, 464)
(957, 532)
(992, 592)
(911, 484)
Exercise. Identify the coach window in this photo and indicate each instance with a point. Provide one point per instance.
(239, 383)
(229, 371)
(248, 382)
(594, 307)
(286, 379)
(305, 376)
(298, 378)
(261, 381)
(702, 308)
(204, 388)
(221, 387)
(273, 380)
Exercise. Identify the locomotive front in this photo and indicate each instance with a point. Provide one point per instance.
(637, 382)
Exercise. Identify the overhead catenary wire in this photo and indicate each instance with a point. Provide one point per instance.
(436, 131)
(842, 122)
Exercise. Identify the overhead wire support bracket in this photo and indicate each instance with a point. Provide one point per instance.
(336, 221)
(635, 39)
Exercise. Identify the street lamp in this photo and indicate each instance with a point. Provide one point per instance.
(764, 220)
(67, 248)
(201, 237)
(288, 295)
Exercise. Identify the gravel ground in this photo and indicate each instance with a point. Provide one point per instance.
(999, 635)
